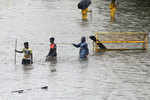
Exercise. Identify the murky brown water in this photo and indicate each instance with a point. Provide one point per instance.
(104, 76)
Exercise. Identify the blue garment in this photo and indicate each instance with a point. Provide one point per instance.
(84, 51)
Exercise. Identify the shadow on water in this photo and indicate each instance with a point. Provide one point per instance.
(135, 52)
(99, 53)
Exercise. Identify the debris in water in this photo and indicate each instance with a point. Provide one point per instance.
(44, 87)
(18, 91)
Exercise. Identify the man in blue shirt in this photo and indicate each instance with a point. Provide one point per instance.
(84, 51)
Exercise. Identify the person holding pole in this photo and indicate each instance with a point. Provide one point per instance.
(28, 56)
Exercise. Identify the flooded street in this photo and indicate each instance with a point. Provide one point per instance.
(117, 75)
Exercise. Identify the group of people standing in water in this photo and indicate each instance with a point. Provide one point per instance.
(52, 54)
(28, 56)
(84, 51)
(84, 4)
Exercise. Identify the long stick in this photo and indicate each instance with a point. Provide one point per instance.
(15, 51)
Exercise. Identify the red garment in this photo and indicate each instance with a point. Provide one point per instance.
(52, 46)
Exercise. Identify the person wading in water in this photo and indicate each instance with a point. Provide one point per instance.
(28, 56)
(53, 50)
(84, 51)
(83, 5)
(113, 8)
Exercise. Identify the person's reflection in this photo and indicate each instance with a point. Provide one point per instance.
(53, 63)
(84, 64)
(27, 71)
(27, 67)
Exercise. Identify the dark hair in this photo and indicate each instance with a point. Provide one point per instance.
(26, 43)
(83, 39)
(52, 38)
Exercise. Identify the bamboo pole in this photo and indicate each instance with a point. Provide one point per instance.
(15, 51)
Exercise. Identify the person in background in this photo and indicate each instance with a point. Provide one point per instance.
(84, 51)
(53, 50)
(83, 5)
(112, 7)
(28, 56)
(100, 45)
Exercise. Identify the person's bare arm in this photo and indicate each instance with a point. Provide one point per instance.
(18, 51)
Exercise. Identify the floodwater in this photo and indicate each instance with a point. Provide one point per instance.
(106, 76)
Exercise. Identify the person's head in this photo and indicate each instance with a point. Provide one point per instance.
(26, 44)
(52, 39)
(83, 39)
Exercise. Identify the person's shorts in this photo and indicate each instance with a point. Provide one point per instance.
(26, 61)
